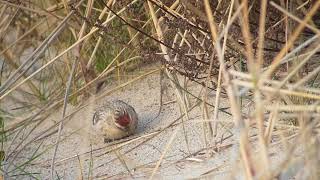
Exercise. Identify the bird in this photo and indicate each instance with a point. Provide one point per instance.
(115, 120)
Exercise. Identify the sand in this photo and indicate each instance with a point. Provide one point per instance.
(135, 157)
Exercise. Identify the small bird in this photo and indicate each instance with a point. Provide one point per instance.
(115, 120)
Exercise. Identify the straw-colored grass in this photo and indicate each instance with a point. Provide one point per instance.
(259, 57)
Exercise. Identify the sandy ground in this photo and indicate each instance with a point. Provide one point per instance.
(136, 156)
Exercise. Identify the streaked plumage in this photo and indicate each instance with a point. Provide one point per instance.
(115, 120)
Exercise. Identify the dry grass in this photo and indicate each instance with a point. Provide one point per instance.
(259, 52)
